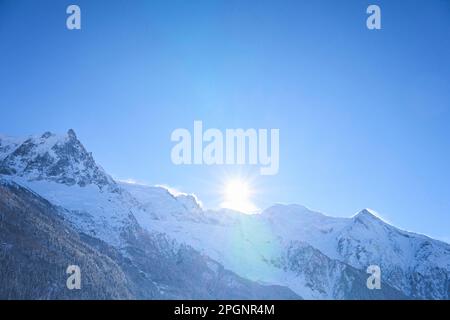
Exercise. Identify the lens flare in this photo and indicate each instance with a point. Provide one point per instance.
(237, 196)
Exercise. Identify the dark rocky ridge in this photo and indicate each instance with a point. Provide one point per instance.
(37, 246)
(62, 159)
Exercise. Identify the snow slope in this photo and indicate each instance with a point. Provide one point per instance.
(317, 256)
(256, 246)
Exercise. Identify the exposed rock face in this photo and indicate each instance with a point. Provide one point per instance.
(62, 159)
(332, 277)
(37, 246)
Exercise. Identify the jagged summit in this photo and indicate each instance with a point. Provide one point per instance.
(367, 215)
(71, 134)
(58, 158)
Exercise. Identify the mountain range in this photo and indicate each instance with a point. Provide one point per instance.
(58, 207)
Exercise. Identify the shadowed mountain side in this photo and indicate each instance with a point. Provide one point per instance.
(37, 245)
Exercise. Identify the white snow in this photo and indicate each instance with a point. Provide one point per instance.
(253, 246)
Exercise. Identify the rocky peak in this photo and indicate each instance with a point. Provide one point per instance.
(366, 215)
(58, 158)
(71, 134)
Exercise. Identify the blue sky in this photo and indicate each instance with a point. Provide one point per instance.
(364, 116)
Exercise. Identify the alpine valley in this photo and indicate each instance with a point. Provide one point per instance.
(58, 207)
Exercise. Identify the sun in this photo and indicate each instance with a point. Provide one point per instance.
(237, 196)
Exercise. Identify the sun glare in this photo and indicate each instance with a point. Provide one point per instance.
(237, 196)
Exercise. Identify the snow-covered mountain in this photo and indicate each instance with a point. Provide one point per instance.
(265, 248)
(286, 251)
(77, 214)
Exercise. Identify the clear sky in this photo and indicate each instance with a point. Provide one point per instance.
(364, 116)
